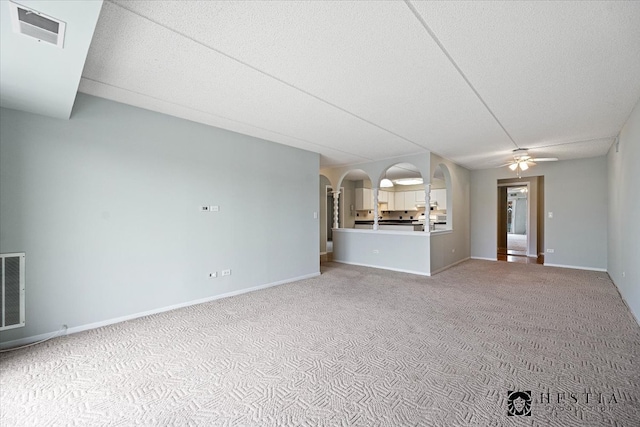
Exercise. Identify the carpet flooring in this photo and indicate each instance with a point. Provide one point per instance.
(353, 347)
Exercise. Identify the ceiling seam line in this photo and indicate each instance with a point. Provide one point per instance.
(225, 118)
(453, 62)
(575, 142)
(272, 76)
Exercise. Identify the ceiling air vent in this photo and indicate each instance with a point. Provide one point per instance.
(37, 25)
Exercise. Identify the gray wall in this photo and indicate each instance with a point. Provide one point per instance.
(106, 206)
(623, 182)
(322, 215)
(574, 190)
(453, 247)
(399, 251)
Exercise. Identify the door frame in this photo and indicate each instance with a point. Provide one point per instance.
(516, 184)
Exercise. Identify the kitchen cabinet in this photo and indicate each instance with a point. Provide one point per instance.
(364, 199)
(439, 196)
(386, 200)
(420, 196)
(410, 200)
(398, 201)
(391, 201)
(404, 201)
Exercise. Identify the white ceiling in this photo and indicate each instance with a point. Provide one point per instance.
(365, 81)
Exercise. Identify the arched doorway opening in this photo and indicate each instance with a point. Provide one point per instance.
(356, 195)
(441, 199)
(402, 198)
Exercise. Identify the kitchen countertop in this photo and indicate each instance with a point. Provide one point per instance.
(392, 221)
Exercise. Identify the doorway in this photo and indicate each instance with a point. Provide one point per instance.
(517, 220)
(521, 220)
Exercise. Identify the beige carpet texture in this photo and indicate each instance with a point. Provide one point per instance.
(481, 344)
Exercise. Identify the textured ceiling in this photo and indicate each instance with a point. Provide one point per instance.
(363, 81)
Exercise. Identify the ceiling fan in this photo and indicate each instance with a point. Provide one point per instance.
(522, 160)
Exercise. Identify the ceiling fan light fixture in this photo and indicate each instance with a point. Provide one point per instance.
(513, 166)
(524, 166)
(386, 183)
(409, 181)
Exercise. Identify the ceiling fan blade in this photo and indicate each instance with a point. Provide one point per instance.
(506, 164)
(545, 159)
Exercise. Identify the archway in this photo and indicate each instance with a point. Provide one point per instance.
(441, 199)
(356, 194)
(402, 198)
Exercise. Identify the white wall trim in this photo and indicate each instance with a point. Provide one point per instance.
(449, 266)
(95, 325)
(576, 267)
(484, 259)
(419, 273)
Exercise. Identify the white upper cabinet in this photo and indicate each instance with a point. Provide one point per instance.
(364, 199)
(404, 201)
(390, 200)
(398, 198)
(439, 196)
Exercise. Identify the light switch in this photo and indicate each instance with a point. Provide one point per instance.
(550, 214)
(315, 215)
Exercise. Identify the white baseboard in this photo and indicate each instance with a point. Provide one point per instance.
(576, 267)
(449, 266)
(484, 259)
(95, 325)
(420, 273)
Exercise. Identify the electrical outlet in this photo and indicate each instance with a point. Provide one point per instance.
(375, 251)
(213, 275)
(214, 208)
(550, 251)
(226, 272)
(453, 250)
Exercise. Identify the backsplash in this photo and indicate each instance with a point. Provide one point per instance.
(368, 215)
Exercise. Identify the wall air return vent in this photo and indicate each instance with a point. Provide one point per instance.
(37, 25)
(12, 290)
